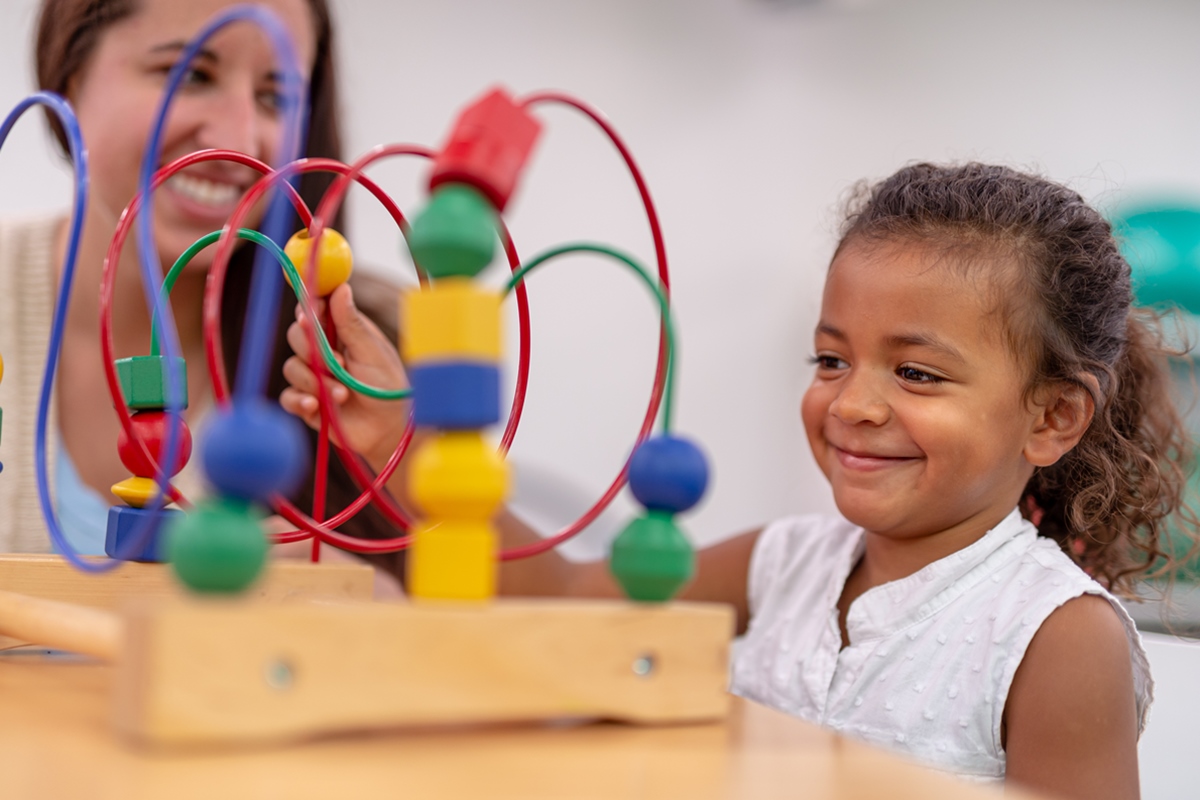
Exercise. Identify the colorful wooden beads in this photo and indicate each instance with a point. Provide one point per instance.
(335, 261)
(134, 532)
(651, 558)
(253, 450)
(459, 482)
(451, 343)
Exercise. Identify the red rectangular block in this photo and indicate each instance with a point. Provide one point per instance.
(488, 147)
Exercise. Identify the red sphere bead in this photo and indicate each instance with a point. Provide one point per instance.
(151, 428)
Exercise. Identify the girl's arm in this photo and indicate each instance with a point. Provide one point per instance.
(1070, 724)
(721, 576)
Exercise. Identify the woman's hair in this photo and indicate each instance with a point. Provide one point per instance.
(1066, 311)
(67, 34)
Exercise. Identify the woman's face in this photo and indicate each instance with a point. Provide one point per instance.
(227, 100)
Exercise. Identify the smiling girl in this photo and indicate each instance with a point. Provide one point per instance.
(110, 58)
(994, 421)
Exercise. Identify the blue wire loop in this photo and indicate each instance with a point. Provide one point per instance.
(265, 286)
(264, 291)
(61, 109)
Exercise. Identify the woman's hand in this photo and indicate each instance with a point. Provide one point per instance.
(372, 427)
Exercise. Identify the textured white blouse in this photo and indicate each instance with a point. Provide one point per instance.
(931, 656)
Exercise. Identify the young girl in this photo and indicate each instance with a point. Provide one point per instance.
(994, 422)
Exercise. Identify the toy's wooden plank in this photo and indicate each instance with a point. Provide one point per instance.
(208, 673)
(52, 578)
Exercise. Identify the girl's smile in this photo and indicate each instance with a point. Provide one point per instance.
(917, 412)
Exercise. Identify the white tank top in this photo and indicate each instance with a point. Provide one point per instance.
(931, 656)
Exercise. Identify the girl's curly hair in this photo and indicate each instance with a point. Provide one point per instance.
(1067, 311)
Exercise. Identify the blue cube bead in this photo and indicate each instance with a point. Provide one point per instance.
(125, 524)
(455, 395)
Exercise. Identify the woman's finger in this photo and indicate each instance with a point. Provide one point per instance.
(301, 377)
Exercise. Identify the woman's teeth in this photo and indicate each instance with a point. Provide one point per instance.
(203, 191)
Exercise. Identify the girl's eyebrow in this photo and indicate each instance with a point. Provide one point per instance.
(901, 340)
(926, 341)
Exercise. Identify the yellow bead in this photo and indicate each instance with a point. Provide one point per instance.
(459, 476)
(336, 261)
(136, 492)
(1, 368)
(452, 320)
(452, 561)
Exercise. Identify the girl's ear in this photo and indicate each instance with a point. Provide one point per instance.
(1063, 413)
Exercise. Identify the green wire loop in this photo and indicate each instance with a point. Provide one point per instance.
(297, 284)
(339, 372)
(668, 323)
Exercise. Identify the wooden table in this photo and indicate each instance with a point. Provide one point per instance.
(56, 742)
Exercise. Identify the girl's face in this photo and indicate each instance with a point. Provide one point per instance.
(228, 100)
(916, 413)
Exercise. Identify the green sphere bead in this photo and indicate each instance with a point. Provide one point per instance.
(219, 547)
(456, 233)
(652, 559)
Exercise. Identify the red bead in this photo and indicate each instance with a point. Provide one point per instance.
(488, 147)
(151, 428)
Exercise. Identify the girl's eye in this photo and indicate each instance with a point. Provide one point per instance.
(827, 362)
(914, 375)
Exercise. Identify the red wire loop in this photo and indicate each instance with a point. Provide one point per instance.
(372, 487)
(109, 274)
(660, 254)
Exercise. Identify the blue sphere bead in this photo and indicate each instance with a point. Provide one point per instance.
(668, 474)
(254, 450)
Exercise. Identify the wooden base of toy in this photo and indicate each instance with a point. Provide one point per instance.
(49, 577)
(201, 673)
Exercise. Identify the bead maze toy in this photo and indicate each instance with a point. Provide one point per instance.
(219, 666)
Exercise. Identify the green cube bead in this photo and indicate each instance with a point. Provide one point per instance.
(652, 559)
(144, 381)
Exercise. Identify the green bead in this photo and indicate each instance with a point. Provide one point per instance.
(143, 381)
(219, 547)
(456, 233)
(652, 559)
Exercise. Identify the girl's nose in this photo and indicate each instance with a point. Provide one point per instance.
(860, 398)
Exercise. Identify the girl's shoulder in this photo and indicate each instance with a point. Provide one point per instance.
(1045, 580)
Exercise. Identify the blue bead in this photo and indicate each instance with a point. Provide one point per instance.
(455, 396)
(125, 525)
(668, 474)
(254, 450)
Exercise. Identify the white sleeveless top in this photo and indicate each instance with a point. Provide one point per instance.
(931, 656)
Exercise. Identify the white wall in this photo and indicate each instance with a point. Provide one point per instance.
(751, 118)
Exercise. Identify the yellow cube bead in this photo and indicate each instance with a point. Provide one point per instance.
(136, 492)
(459, 476)
(453, 561)
(335, 262)
(454, 320)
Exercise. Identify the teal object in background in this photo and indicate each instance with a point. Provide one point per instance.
(1162, 245)
(1161, 242)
